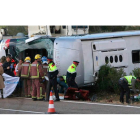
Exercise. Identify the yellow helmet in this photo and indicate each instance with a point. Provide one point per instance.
(37, 56)
(27, 58)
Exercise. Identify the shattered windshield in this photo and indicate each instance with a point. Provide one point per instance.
(41, 43)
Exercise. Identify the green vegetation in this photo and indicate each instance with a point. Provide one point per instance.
(13, 30)
(108, 79)
(136, 72)
(100, 29)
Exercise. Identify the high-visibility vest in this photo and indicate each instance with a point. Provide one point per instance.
(72, 69)
(129, 79)
(25, 70)
(64, 77)
(52, 67)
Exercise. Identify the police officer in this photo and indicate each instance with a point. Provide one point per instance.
(24, 70)
(71, 74)
(124, 84)
(45, 69)
(37, 76)
(52, 75)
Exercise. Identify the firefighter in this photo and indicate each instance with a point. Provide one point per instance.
(52, 75)
(125, 83)
(37, 76)
(23, 71)
(45, 69)
(71, 75)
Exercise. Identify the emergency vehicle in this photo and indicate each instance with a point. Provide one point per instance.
(119, 49)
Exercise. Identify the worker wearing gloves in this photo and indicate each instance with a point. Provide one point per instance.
(45, 69)
(23, 71)
(52, 75)
(125, 83)
(71, 75)
(37, 76)
(61, 80)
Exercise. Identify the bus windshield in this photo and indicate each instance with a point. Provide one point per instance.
(38, 44)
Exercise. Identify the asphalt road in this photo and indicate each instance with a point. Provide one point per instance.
(27, 106)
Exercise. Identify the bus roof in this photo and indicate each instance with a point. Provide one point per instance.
(106, 35)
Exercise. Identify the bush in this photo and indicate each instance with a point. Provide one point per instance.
(136, 73)
(108, 78)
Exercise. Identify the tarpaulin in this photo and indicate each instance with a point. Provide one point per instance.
(10, 85)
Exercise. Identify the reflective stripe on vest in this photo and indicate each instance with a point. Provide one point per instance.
(129, 79)
(33, 65)
(72, 69)
(28, 70)
(25, 64)
(37, 76)
(52, 68)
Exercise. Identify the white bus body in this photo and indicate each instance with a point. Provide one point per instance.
(121, 48)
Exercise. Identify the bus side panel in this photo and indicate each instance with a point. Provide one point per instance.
(65, 52)
(132, 43)
(88, 62)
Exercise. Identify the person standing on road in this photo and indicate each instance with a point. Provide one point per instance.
(1, 81)
(52, 75)
(45, 69)
(8, 66)
(37, 76)
(125, 83)
(23, 71)
(71, 75)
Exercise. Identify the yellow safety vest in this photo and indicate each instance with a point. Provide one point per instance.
(72, 69)
(129, 79)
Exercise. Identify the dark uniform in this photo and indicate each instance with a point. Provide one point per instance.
(8, 71)
(124, 84)
(52, 75)
(71, 75)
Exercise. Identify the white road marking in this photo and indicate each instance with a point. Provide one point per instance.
(128, 106)
(22, 111)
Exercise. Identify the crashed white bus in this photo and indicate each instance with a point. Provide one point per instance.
(120, 49)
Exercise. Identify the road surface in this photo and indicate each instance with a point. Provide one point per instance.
(27, 106)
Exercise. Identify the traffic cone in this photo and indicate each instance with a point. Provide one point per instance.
(51, 109)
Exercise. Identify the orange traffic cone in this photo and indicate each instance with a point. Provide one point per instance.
(51, 109)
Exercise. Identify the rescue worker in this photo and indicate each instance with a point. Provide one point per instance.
(52, 75)
(24, 72)
(37, 76)
(61, 80)
(71, 75)
(8, 66)
(45, 69)
(124, 84)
